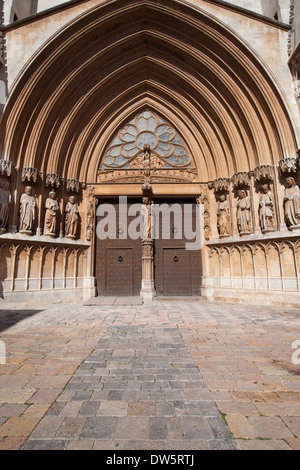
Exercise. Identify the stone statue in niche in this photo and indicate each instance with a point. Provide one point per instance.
(5, 205)
(27, 211)
(292, 204)
(243, 213)
(223, 214)
(52, 210)
(72, 217)
(266, 209)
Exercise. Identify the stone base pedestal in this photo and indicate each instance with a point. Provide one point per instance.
(148, 292)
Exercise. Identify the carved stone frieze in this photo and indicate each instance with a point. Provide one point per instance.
(155, 175)
(72, 185)
(53, 180)
(29, 175)
(6, 168)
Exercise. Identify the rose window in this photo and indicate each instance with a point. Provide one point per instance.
(147, 128)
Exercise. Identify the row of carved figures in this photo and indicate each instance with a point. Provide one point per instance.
(28, 212)
(266, 210)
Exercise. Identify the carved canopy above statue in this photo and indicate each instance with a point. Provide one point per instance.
(169, 157)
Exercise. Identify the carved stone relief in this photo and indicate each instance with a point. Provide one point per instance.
(53, 180)
(72, 185)
(6, 168)
(30, 175)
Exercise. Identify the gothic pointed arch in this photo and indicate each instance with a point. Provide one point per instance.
(121, 55)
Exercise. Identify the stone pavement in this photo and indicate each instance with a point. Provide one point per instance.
(166, 375)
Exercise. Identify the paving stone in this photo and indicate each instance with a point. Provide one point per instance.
(157, 428)
(99, 427)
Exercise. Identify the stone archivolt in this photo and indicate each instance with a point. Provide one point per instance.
(161, 55)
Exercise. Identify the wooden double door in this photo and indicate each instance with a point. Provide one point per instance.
(177, 270)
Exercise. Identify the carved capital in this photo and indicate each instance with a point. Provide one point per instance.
(29, 175)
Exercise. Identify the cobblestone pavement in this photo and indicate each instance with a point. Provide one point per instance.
(166, 375)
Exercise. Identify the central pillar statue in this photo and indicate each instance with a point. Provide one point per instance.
(148, 290)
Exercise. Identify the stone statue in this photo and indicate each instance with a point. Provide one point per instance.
(72, 217)
(27, 211)
(292, 204)
(243, 214)
(5, 205)
(146, 211)
(266, 209)
(52, 209)
(223, 214)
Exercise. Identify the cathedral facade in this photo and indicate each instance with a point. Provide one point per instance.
(173, 109)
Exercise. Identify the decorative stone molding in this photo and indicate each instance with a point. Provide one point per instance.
(240, 179)
(72, 185)
(263, 173)
(291, 32)
(90, 191)
(204, 199)
(53, 180)
(288, 165)
(221, 184)
(29, 175)
(89, 221)
(6, 168)
(1, 47)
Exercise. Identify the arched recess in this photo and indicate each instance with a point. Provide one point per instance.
(168, 55)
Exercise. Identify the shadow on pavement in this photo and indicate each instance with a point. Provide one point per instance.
(9, 317)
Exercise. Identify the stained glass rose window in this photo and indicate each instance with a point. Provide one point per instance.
(147, 128)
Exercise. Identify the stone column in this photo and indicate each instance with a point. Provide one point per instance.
(255, 222)
(148, 290)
